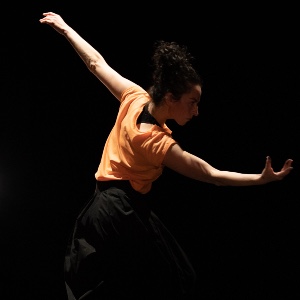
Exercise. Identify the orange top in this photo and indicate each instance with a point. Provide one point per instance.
(130, 154)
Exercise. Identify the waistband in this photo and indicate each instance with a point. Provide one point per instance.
(140, 202)
(123, 185)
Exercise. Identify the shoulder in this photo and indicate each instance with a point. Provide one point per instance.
(133, 92)
(156, 145)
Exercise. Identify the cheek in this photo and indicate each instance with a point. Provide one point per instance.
(181, 106)
(175, 110)
(180, 110)
(184, 110)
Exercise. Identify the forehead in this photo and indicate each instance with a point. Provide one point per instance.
(196, 89)
(194, 93)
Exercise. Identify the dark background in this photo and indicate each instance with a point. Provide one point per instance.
(55, 117)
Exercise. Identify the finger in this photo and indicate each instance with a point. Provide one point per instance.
(287, 171)
(289, 168)
(287, 164)
(268, 161)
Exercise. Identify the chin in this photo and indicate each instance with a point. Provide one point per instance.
(182, 122)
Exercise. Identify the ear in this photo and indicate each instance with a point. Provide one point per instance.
(169, 98)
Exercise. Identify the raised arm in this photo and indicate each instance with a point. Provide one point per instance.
(91, 57)
(196, 168)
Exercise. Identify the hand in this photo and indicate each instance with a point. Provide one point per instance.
(269, 175)
(55, 21)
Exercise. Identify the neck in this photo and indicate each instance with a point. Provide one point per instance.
(158, 112)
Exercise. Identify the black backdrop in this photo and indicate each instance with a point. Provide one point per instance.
(55, 117)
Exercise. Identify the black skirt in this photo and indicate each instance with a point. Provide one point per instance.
(120, 249)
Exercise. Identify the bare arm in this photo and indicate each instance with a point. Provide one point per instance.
(196, 168)
(91, 57)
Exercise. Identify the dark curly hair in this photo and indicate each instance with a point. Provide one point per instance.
(172, 71)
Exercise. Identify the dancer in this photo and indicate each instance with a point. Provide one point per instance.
(119, 248)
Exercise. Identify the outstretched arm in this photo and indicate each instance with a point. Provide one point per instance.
(91, 57)
(196, 168)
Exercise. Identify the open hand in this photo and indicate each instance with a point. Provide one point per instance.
(55, 21)
(268, 173)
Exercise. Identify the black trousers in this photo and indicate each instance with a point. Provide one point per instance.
(119, 249)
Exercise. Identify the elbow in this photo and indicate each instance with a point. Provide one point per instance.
(213, 178)
(92, 65)
(215, 182)
(219, 183)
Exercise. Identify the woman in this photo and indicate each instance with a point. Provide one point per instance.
(119, 249)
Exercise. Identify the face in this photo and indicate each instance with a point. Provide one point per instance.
(186, 108)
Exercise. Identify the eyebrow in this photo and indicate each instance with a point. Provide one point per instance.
(195, 99)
